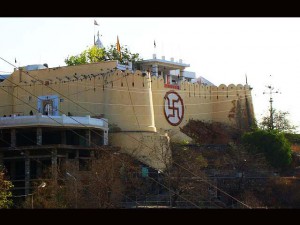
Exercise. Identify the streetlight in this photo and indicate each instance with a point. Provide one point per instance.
(42, 185)
(70, 175)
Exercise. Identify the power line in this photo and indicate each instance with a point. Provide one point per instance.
(136, 139)
(57, 122)
(108, 123)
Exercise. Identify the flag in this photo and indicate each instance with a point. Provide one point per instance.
(95, 23)
(15, 60)
(154, 44)
(118, 46)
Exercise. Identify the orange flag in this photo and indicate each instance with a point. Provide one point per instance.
(118, 46)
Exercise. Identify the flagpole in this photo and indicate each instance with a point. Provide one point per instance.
(154, 46)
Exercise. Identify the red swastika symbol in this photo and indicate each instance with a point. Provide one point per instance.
(173, 108)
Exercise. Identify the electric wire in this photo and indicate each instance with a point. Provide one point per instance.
(75, 132)
(146, 145)
(139, 141)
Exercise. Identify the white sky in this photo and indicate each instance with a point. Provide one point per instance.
(222, 50)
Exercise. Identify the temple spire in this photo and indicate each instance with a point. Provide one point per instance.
(98, 43)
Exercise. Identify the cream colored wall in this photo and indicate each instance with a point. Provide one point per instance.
(28, 87)
(196, 99)
(207, 103)
(128, 106)
(124, 99)
(6, 95)
(229, 104)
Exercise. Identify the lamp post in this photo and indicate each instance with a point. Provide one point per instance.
(70, 175)
(42, 185)
(271, 88)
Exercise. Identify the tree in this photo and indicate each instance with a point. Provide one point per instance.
(125, 56)
(52, 195)
(203, 132)
(101, 186)
(90, 55)
(5, 193)
(272, 144)
(95, 54)
(184, 177)
(280, 122)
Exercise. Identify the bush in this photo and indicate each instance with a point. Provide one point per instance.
(272, 144)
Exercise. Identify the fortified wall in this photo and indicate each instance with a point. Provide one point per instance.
(142, 112)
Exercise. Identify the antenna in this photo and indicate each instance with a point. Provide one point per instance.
(271, 91)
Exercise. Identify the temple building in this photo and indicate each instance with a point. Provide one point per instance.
(53, 115)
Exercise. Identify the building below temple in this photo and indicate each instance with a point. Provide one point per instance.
(66, 113)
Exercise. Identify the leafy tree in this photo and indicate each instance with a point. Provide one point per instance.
(95, 54)
(125, 56)
(273, 144)
(5, 193)
(293, 138)
(280, 122)
(90, 55)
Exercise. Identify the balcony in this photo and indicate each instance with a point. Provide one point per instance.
(63, 121)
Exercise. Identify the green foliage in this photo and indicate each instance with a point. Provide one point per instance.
(280, 122)
(5, 193)
(95, 54)
(272, 144)
(91, 55)
(293, 138)
(184, 142)
(123, 57)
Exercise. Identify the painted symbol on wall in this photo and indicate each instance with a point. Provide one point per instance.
(173, 108)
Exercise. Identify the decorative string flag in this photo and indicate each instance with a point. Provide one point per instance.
(95, 23)
(119, 47)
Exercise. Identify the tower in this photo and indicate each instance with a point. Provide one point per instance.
(98, 43)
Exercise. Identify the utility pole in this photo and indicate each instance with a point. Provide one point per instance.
(271, 91)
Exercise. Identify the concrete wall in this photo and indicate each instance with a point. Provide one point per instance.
(132, 102)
